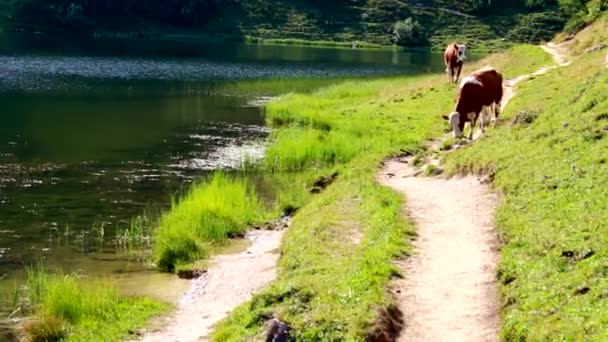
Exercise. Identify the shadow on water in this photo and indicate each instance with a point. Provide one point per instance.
(94, 132)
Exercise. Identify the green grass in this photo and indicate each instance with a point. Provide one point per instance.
(337, 258)
(337, 123)
(552, 220)
(80, 310)
(212, 212)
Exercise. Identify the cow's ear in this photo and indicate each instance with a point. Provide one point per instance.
(445, 117)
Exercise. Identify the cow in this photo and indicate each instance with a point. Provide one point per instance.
(606, 61)
(453, 57)
(479, 93)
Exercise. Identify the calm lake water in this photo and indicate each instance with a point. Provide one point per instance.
(97, 131)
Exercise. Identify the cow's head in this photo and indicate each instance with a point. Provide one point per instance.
(462, 51)
(454, 120)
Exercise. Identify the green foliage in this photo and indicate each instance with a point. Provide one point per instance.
(350, 23)
(552, 173)
(409, 32)
(582, 12)
(212, 212)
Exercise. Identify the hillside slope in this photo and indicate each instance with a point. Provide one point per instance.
(549, 159)
(344, 20)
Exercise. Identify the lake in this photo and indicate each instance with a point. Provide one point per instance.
(96, 132)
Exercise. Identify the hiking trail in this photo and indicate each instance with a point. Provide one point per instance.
(449, 291)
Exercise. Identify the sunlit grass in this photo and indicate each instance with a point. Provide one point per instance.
(553, 174)
(337, 123)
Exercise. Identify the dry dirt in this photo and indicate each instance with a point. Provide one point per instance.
(229, 282)
(449, 292)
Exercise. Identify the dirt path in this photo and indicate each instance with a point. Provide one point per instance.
(229, 282)
(450, 291)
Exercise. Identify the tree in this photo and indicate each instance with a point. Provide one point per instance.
(408, 32)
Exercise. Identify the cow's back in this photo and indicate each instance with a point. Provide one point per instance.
(492, 83)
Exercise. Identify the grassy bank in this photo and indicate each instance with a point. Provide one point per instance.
(337, 257)
(551, 165)
(67, 308)
(222, 207)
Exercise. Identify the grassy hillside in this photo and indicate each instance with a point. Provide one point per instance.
(337, 257)
(551, 165)
(369, 21)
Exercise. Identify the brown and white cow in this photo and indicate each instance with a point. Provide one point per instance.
(454, 57)
(481, 91)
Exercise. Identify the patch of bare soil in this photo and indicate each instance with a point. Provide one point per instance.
(230, 281)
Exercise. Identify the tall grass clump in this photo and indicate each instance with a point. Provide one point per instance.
(66, 307)
(211, 212)
(553, 171)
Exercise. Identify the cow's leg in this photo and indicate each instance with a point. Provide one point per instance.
(473, 124)
(483, 119)
(472, 130)
(458, 75)
(496, 113)
(450, 73)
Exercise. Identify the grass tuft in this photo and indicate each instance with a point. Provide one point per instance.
(65, 307)
(212, 212)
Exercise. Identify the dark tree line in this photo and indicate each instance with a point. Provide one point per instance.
(89, 12)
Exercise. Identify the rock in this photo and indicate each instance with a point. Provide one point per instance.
(594, 48)
(322, 183)
(278, 331)
(190, 274)
(525, 118)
